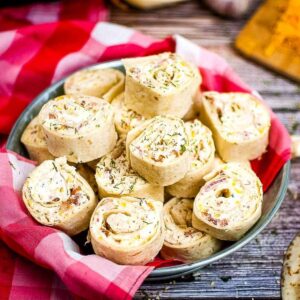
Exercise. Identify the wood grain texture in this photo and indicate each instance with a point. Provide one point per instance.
(254, 271)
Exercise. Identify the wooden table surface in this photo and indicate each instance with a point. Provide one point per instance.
(254, 271)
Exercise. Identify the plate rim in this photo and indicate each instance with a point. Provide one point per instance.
(186, 268)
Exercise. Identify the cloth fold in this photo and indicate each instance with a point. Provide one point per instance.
(39, 13)
(34, 57)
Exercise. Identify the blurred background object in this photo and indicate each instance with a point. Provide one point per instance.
(230, 8)
(227, 8)
(272, 37)
(145, 4)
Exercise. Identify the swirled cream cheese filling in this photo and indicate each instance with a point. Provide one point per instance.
(162, 141)
(125, 118)
(240, 117)
(230, 197)
(36, 133)
(164, 74)
(125, 223)
(54, 192)
(69, 115)
(115, 174)
(128, 119)
(178, 223)
(52, 185)
(201, 143)
(87, 79)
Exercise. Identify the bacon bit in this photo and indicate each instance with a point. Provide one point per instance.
(52, 116)
(105, 231)
(224, 222)
(75, 190)
(65, 206)
(210, 218)
(210, 99)
(55, 199)
(211, 184)
(189, 232)
(219, 112)
(72, 200)
(159, 159)
(34, 132)
(175, 153)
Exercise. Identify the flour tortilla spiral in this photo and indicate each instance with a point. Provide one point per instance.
(158, 150)
(229, 203)
(239, 122)
(127, 230)
(34, 140)
(78, 127)
(125, 118)
(56, 195)
(102, 83)
(182, 241)
(115, 177)
(162, 84)
(202, 149)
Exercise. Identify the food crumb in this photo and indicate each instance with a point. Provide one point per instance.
(225, 278)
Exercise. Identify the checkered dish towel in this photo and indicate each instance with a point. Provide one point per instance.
(32, 58)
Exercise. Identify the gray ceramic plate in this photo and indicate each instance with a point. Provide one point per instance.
(272, 199)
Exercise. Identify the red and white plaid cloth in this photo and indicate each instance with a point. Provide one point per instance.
(33, 57)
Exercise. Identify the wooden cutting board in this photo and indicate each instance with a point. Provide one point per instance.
(256, 37)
